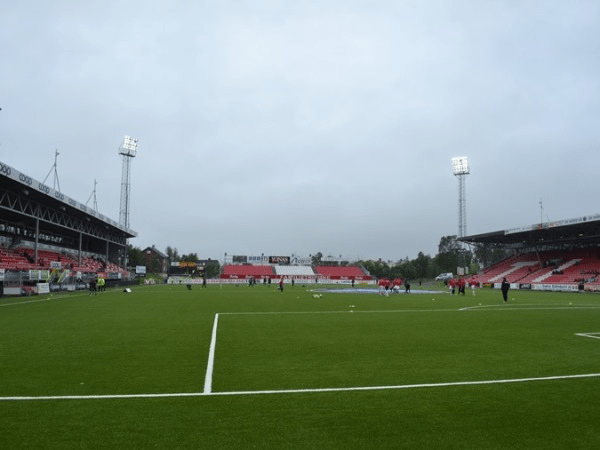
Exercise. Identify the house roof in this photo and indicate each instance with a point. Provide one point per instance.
(156, 251)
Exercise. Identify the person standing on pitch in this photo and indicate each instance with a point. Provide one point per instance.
(452, 285)
(473, 285)
(504, 287)
(101, 284)
(93, 284)
(461, 283)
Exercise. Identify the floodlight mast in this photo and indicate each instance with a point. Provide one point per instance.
(460, 167)
(56, 180)
(127, 150)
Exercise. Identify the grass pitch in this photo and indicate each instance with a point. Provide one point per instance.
(241, 367)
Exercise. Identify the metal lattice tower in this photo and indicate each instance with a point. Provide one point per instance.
(460, 166)
(127, 150)
(56, 180)
(462, 207)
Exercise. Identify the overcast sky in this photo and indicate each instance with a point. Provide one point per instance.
(293, 127)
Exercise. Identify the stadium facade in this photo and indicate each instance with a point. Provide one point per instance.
(562, 255)
(47, 237)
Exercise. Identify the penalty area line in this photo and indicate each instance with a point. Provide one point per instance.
(300, 391)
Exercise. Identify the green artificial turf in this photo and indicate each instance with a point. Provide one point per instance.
(293, 371)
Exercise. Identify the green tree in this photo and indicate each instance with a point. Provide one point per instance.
(316, 259)
(488, 254)
(172, 253)
(408, 270)
(212, 270)
(135, 256)
(447, 257)
(377, 269)
(154, 265)
(192, 257)
(422, 266)
(449, 252)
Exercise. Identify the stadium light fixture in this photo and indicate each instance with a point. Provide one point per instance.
(129, 146)
(460, 165)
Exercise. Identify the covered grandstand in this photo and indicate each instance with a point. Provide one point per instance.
(562, 255)
(49, 241)
(298, 273)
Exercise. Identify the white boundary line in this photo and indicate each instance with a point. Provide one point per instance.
(523, 307)
(211, 358)
(300, 391)
(345, 311)
(50, 298)
(24, 302)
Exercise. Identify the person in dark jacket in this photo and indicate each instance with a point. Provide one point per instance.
(504, 288)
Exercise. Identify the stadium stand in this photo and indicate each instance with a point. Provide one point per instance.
(342, 273)
(294, 271)
(556, 267)
(558, 255)
(246, 271)
(14, 259)
(299, 273)
(49, 241)
(21, 259)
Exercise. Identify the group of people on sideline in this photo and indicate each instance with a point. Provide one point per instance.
(97, 285)
(460, 284)
(386, 286)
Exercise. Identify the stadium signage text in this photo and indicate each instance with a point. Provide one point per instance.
(302, 260)
(5, 169)
(25, 179)
(187, 264)
(559, 223)
(255, 259)
(43, 188)
(279, 259)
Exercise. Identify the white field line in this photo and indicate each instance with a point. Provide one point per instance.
(523, 307)
(346, 311)
(211, 358)
(49, 299)
(594, 335)
(301, 391)
(376, 311)
(24, 302)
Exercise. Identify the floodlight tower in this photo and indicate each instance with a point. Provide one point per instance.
(127, 150)
(460, 167)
